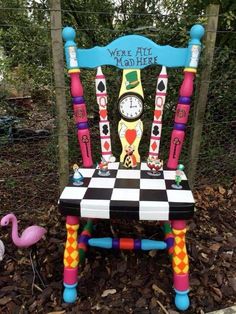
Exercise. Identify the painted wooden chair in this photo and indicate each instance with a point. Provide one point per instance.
(130, 188)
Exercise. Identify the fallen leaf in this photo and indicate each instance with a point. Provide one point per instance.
(222, 190)
(152, 253)
(5, 300)
(215, 247)
(108, 292)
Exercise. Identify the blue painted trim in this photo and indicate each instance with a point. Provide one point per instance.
(182, 300)
(132, 52)
(194, 47)
(152, 245)
(70, 47)
(105, 243)
(139, 52)
(70, 293)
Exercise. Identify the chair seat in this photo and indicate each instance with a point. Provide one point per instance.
(129, 194)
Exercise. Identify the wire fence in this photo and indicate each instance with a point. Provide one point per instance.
(28, 130)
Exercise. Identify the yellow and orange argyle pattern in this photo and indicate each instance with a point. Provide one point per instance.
(71, 253)
(180, 257)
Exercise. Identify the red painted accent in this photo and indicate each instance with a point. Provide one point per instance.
(103, 113)
(104, 137)
(155, 138)
(181, 114)
(107, 153)
(126, 244)
(100, 76)
(83, 246)
(130, 136)
(106, 145)
(178, 224)
(70, 275)
(101, 94)
(86, 232)
(153, 154)
(160, 94)
(162, 76)
(157, 114)
(72, 220)
(80, 114)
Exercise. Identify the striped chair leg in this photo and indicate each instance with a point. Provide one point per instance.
(180, 264)
(83, 240)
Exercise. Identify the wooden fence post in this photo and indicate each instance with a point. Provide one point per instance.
(59, 79)
(201, 100)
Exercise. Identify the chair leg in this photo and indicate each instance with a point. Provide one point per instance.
(180, 264)
(71, 260)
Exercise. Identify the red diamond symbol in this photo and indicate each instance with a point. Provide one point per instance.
(154, 145)
(106, 145)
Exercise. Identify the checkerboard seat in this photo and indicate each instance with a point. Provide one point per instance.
(128, 193)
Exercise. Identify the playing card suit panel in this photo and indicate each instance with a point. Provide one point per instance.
(130, 134)
(101, 87)
(104, 128)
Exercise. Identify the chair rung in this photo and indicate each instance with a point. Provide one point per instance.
(127, 244)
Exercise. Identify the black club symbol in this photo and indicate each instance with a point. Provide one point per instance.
(105, 129)
(155, 130)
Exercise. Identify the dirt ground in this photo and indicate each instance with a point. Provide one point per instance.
(136, 282)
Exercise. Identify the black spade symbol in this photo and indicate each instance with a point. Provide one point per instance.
(105, 129)
(101, 87)
(155, 130)
(161, 86)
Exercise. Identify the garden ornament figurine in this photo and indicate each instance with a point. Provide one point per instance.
(77, 177)
(2, 250)
(29, 237)
(154, 164)
(130, 159)
(178, 177)
(103, 168)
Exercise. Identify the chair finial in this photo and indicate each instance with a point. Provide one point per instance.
(68, 34)
(196, 32)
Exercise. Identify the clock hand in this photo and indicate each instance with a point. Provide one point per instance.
(130, 103)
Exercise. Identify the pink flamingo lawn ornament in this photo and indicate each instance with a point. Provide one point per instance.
(29, 236)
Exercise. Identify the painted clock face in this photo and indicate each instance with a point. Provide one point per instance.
(130, 106)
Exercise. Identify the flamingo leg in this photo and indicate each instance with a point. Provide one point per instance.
(35, 267)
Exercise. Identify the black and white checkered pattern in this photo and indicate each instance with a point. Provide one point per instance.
(128, 193)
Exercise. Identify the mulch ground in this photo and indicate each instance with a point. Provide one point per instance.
(110, 281)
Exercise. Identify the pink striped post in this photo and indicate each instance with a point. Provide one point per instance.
(181, 118)
(80, 116)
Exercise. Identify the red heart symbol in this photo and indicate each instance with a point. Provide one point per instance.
(130, 136)
(103, 113)
(157, 114)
